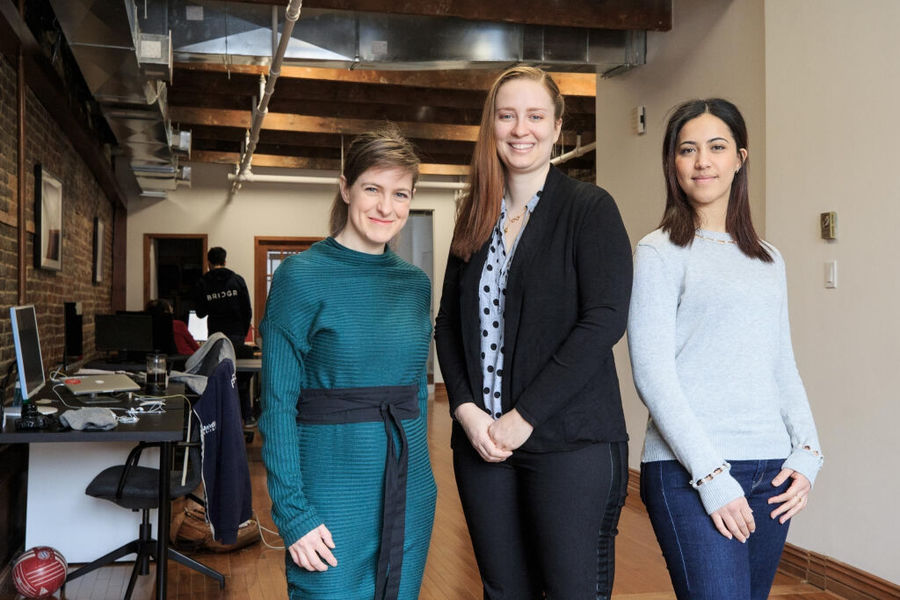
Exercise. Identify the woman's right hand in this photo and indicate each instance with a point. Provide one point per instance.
(735, 519)
(475, 423)
(309, 551)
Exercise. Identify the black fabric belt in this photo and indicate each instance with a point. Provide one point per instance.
(389, 404)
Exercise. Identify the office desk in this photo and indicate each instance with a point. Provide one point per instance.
(166, 428)
(248, 365)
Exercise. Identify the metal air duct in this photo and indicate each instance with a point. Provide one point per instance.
(126, 69)
(236, 33)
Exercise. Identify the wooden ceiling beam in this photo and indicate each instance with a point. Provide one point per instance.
(301, 140)
(294, 162)
(184, 115)
(356, 110)
(653, 15)
(215, 89)
(311, 124)
(266, 160)
(368, 110)
(243, 87)
(570, 84)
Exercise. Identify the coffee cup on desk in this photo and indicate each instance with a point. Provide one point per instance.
(157, 378)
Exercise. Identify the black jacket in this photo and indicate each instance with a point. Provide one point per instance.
(222, 294)
(567, 304)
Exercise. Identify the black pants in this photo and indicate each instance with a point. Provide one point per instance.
(544, 522)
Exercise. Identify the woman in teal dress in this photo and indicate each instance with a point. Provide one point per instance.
(345, 340)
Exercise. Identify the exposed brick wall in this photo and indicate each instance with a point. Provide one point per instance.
(82, 201)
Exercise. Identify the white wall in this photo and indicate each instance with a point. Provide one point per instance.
(258, 209)
(818, 82)
(833, 83)
(714, 49)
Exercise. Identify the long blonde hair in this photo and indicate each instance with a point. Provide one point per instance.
(479, 207)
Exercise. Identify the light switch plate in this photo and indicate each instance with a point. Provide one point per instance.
(831, 274)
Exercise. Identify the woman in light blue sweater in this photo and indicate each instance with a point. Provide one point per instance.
(731, 449)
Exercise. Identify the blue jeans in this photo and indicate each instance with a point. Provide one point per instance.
(703, 564)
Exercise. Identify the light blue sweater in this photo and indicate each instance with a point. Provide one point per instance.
(712, 359)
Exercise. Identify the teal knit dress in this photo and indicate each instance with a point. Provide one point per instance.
(336, 318)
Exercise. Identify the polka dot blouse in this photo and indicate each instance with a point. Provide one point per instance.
(491, 303)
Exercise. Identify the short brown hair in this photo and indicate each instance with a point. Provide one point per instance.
(381, 149)
(479, 208)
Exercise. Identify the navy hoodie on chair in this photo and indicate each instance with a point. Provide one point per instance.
(226, 474)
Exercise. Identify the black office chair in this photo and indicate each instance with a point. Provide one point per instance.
(137, 488)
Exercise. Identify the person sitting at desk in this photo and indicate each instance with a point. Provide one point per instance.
(185, 343)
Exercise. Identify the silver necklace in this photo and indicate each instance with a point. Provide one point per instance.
(711, 239)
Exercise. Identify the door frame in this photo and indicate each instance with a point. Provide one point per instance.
(261, 246)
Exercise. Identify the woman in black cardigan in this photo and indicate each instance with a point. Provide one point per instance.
(535, 295)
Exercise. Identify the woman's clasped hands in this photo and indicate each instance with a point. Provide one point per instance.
(494, 440)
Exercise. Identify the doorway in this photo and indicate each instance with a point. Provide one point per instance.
(173, 263)
(415, 245)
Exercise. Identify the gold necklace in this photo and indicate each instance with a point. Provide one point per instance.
(710, 239)
(514, 220)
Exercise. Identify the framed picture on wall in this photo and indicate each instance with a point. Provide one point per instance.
(47, 220)
(98, 250)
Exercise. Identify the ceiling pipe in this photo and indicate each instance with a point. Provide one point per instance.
(577, 151)
(248, 176)
(251, 177)
(259, 113)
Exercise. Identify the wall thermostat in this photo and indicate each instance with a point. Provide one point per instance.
(828, 223)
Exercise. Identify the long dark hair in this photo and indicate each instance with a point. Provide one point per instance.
(680, 219)
(479, 208)
(381, 149)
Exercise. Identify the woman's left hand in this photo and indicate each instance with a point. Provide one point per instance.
(794, 499)
(510, 431)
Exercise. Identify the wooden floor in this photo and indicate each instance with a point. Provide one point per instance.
(257, 572)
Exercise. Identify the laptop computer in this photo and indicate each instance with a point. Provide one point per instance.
(107, 383)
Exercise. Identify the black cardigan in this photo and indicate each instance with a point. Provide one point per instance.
(566, 306)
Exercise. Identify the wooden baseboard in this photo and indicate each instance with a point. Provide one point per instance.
(440, 390)
(817, 569)
(834, 576)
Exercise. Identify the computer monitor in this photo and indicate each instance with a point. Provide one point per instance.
(128, 333)
(163, 336)
(197, 327)
(28, 349)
